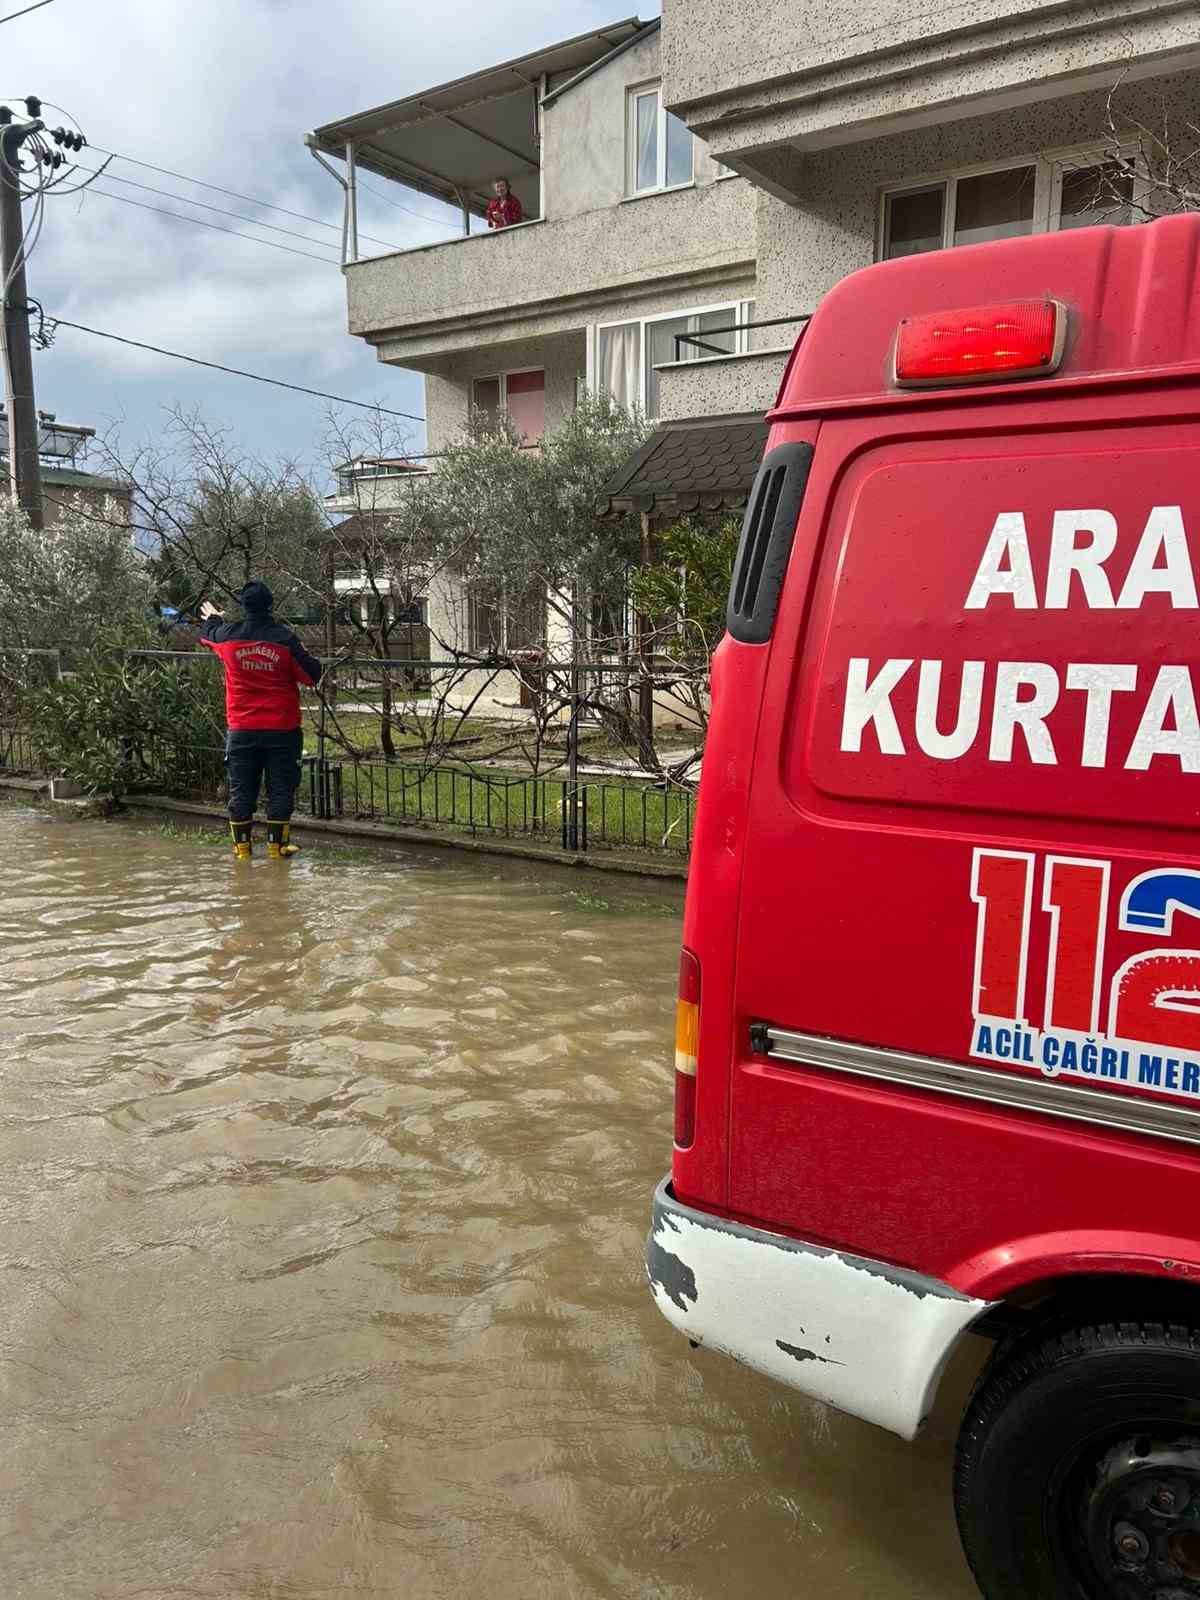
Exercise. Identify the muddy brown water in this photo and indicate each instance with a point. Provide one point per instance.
(323, 1190)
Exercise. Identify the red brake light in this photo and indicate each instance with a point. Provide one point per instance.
(1017, 340)
(687, 1038)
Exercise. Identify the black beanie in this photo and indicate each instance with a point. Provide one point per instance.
(256, 597)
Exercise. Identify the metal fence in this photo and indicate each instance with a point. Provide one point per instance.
(579, 814)
(17, 755)
(574, 811)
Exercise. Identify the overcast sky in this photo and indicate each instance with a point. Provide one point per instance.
(224, 90)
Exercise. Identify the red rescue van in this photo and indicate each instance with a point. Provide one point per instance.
(938, 1041)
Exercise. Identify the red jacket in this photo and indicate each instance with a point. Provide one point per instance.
(265, 664)
(503, 213)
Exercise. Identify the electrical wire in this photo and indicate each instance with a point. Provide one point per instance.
(13, 15)
(300, 216)
(379, 195)
(237, 372)
(179, 216)
(220, 211)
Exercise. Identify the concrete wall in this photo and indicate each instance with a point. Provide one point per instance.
(448, 381)
(831, 73)
(724, 386)
(58, 501)
(549, 277)
(584, 136)
(806, 247)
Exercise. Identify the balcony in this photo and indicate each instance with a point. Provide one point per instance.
(554, 125)
(551, 276)
(451, 142)
(707, 381)
(372, 483)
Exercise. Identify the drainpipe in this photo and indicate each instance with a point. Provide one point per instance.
(310, 139)
(352, 199)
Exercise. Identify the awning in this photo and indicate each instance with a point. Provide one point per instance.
(703, 464)
(452, 141)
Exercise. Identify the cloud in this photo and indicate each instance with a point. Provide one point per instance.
(225, 90)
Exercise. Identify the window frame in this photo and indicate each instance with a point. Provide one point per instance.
(1079, 159)
(633, 94)
(1048, 165)
(502, 378)
(507, 613)
(741, 340)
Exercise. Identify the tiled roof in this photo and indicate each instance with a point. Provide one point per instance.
(707, 464)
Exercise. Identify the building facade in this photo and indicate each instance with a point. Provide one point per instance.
(873, 134)
(691, 188)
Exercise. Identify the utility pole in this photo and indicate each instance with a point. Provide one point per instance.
(24, 463)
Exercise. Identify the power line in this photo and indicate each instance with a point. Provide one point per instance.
(127, 200)
(13, 15)
(379, 194)
(300, 216)
(237, 372)
(220, 211)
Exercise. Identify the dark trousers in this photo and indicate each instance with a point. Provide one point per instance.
(254, 754)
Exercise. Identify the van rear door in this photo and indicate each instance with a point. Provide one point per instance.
(979, 733)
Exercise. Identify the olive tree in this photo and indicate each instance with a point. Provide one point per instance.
(525, 522)
(74, 585)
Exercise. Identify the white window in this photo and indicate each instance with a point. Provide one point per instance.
(627, 353)
(1036, 195)
(1086, 192)
(659, 149)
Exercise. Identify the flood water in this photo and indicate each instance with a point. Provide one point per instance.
(323, 1192)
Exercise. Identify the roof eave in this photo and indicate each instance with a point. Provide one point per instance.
(332, 136)
(643, 32)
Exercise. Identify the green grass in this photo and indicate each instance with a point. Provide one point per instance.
(481, 738)
(359, 731)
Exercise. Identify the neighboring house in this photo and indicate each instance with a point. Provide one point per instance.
(363, 575)
(721, 168)
(66, 484)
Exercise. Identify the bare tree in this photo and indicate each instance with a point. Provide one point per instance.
(211, 517)
(1151, 165)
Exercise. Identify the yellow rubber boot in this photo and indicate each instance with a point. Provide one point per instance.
(279, 841)
(242, 834)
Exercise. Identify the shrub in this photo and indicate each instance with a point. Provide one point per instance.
(124, 722)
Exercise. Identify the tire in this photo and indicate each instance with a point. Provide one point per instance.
(1077, 1473)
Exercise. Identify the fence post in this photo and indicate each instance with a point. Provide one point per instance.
(573, 761)
(320, 796)
(58, 666)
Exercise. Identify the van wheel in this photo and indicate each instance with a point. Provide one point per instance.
(1077, 1474)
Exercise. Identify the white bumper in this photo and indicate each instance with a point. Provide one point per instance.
(868, 1338)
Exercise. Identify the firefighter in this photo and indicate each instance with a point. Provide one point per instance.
(265, 664)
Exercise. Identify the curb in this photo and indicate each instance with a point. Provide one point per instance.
(376, 833)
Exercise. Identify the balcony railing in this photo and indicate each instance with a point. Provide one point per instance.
(701, 341)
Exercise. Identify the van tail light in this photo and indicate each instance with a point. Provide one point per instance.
(687, 1038)
(1017, 340)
